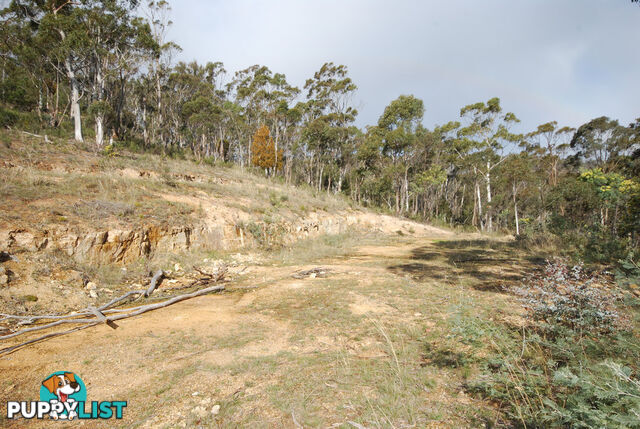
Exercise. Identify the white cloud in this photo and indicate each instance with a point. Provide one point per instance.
(546, 59)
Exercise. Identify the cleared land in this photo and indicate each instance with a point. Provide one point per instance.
(387, 338)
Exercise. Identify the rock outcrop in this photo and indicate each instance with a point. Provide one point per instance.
(125, 246)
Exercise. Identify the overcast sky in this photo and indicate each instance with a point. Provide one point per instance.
(561, 60)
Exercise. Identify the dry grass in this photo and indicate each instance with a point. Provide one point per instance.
(64, 183)
(388, 339)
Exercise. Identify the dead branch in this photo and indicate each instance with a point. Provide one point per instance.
(121, 298)
(48, 325)
(105, 315)
(27, 320)
(313, 272)
(155, 281)
(8, 350)
(130, 312)
(102, 318)
(151, 307)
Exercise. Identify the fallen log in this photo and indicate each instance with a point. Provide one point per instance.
(102, 318)
(8, 350)
(104, 314)
(92, 322)
(121, 298)
(313, 272)
(26, 320)
(154, 282)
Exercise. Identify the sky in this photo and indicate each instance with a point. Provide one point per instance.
(563, 60)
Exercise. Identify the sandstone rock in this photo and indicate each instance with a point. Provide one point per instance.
(5, 240)
(92, 286)
(25, 240)
(93, 294)
(215, 410)
(4, 279)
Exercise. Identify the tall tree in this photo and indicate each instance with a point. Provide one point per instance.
(601, 142)
(399, 126)
(486, 134)
(329, 115)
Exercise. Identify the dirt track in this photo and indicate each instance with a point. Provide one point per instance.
(317, 351)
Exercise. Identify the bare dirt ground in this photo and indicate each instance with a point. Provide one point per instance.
(358, 346)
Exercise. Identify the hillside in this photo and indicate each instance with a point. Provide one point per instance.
(72, 216)
(321, 313)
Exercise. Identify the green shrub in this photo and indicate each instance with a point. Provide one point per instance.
(8, 118)
(602, 246)
(566, 297)
(575, 365)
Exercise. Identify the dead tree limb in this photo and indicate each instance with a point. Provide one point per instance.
(101, 312)
(8, 350)
(121, 298)
(155, 281)
(151, 307)
(92, 322)
(102, 318)
(313, 272)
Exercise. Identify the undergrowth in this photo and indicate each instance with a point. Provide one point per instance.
(573, 361)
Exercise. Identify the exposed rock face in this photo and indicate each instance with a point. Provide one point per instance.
(126, 246)
(113, 246)
(4, 276)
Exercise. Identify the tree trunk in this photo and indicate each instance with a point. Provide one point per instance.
(406, 189)
(99, 129)
(4, 75)
(145, 132)
(100, 114)
(340, 179)
(479, 199)
(515, 209)
(488, 178)
(75, 101)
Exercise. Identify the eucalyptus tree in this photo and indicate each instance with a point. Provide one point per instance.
(602, 142)
(52, 35)
(399, 126)
(194, 107)
(28, 81)
(157, 13)
(516, 174)
(266, 99)
(328, 130)
(550, 142)
(486, 133)
(118, 43)
(83, 40)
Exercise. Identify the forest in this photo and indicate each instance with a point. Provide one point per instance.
(103, 72)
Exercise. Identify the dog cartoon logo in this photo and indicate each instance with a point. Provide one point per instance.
(64, 387)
